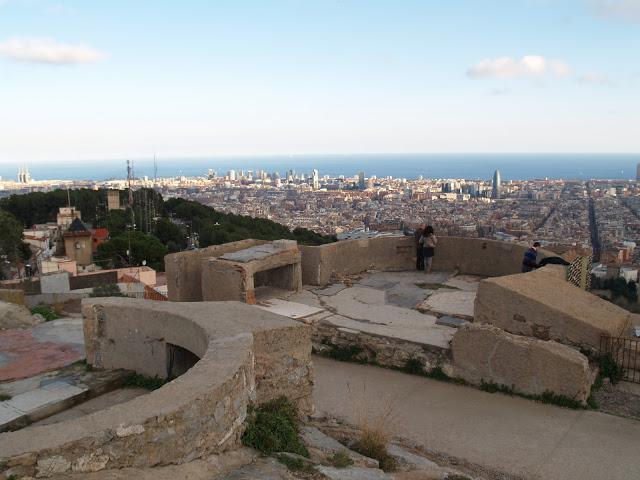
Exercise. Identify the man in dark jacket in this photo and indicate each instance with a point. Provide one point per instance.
(530, 260)
(419, 250)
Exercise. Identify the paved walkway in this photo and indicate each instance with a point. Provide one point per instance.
(503, 433)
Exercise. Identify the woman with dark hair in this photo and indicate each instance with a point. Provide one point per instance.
(429, 242)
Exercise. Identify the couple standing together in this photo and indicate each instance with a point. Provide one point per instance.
(426, 242)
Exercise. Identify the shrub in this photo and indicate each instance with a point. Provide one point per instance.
(4, 397)
(46, 311)
(143, 381)
(296, 464)
(413, 366)
(610, 369)
(373, 443)
(341, 459)
(109, 290)
(273, 427)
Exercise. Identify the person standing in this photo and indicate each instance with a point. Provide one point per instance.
(429, 242)
(530, 260)
(419, 253)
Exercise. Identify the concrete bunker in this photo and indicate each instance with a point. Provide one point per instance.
(249, 274)
(246, 355)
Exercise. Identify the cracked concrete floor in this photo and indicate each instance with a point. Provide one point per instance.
(386, 303)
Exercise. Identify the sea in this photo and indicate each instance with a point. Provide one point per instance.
(410, 166)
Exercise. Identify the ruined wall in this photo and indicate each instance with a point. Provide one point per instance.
(12, 296)
(184, 272)
(473, 256)
(542, 304)
(484, 353)
(246, 355)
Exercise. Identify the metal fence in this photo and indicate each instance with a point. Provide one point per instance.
(625, 352)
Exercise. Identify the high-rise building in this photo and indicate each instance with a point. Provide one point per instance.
(495, 191)
(232, 175)
(638, 172)
(23, 175)
(315, 180)
(361, 184)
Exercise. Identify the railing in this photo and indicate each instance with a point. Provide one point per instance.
(625, 352)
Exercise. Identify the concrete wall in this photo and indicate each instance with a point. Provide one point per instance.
(12, 296)
(246, 354)
(55, 283)
(184, 269)
(484, 353)
(542, 304)
(471, 256)
(93, 279)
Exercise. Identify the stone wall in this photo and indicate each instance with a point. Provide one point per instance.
(245, 354)
(544, 305)
(12, 296)
(484, 353)
(184, 270)
(472, 256)
(378, 349)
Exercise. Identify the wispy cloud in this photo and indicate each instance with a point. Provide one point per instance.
(527, 66)
(595, 78)
(628, 10)
(45, 50)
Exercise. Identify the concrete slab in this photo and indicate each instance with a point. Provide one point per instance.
(453, 322)
(8, 413)
(64, 330)
(288, 309)
(456, 303)
(252, 253)
(464, 282)
(35, 399)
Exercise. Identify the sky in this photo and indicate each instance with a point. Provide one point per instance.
(91, 80)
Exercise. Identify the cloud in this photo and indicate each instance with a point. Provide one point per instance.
(618, 9)
(527, 66)
(44, 50)
(595, 78)
(500, 91)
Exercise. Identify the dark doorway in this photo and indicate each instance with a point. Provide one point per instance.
(179, 360)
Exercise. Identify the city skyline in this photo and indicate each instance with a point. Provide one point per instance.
(247, 78)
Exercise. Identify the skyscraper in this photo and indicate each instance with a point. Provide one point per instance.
(638, 172)
(361, 184)
(315, 179)
(495, 191)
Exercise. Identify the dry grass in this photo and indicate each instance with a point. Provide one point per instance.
(376, 422)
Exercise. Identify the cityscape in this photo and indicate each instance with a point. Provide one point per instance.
(319, 240)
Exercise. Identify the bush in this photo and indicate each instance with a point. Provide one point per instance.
(341, 460)
(109, 290)
(373, 444)
(610, 369)
(143, 381)
(273, 427)
(46, 311)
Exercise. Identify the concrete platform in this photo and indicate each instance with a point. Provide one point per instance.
(392, 304)
(45, 347)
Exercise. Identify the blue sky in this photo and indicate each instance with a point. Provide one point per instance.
(113, 79)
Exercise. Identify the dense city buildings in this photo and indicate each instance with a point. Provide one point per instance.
(598, 216)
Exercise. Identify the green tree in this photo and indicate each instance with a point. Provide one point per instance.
(143, 248)
(170, 234)
(12, 248)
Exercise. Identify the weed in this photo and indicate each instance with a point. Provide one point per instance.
(437, 373)
(13, 476)
(347, 353)
(492, 387)
(610, 369)
(273, 427)
(109, 290)
(413, 366)
(143, 381)
(46, 311)
(296, 464)
(341, 459)
(4, 397)
(376, 427)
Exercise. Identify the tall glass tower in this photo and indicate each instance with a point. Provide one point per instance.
(495, 191)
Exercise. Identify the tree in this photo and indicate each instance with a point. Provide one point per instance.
(12, 248)
(143, 248)
(174, 237)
